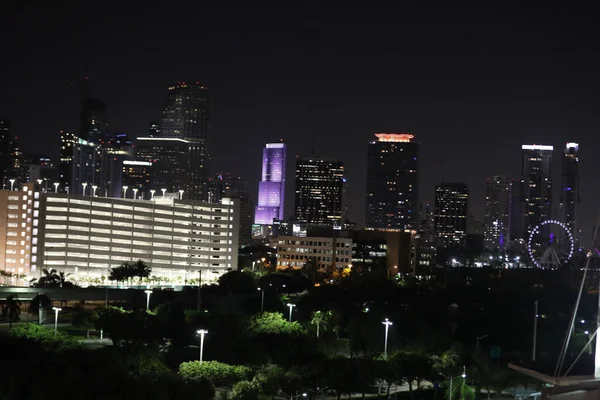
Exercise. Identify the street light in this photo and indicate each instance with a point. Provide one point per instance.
(463, 376)
(125, 191)
(148, 293)
(152, 194)
(56, 187)
(163, 190)
(201, 332)
(39, 182)
(387, 324)
(56, 310)
(94, 187)
(291, 306)
(12, 184)
(262, 300)
(84, 186)
(180, 194)
(135, 193)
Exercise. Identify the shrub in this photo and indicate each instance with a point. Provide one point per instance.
(273, 323)
(219, 374)
(45, 337)
(244, 390)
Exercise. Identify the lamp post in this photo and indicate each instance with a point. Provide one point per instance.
(535, 319)
(56, 310)
(262, 300)
(463, 375)
(152, 194)
(125, 191)
(291, 306)
(39, 182)
(12, 184)
(201, 332)
(163, 190)
(84, 186)
(135, 193)
(56, 187)
(387, 324)
(180, 194)
(94, 188)
(148, 293)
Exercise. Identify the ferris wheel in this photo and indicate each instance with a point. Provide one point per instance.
(550, 244)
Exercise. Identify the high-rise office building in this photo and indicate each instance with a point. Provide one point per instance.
(450, 215)
(116, 148)
(271, 189)
(499, 206)
(170, 161)
(392, 183)
(154, 129)
(136, 176)
(4, 150)
(319, 191)
(187, 116)
(93, 123)
(536, 186)
(570, 196)
(67, 144)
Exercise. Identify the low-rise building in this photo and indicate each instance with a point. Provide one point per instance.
(327, 252)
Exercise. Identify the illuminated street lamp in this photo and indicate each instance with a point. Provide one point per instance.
(12, 184)
(180, 194)
(56, 310)
(94, 188)
(291, 306)
(387, 324)
(135, 193)
(163, 190)
(148, 293)
(56, 187)
(463, 376)
(84, 186)
(39, 182)
(152, 194)
(125, 191)
(262, 300)
(201, 332)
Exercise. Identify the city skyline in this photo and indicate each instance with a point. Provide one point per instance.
(482, 104)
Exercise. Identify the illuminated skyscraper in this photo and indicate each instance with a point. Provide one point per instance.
(4, 150)
(392, 182)
(187, 116)
(536, 186)
(570, 197)
(499, 205)
(170, 159)
(272, 185)
(319, 191)
(450, 215)
(93, 120)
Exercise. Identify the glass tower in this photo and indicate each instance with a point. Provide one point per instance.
(450, 215)
(272, 185)
(570, 197)
(536, 185)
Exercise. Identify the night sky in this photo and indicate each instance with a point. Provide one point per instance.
(471, 84)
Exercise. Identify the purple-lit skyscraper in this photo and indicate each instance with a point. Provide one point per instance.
(272, 185)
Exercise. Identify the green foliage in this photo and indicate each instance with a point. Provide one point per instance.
(460, 391)
(45, 337)
(11, 310)
(52, 279)
(129, 327)
(143, 361)
(219, 374)
(237, 282)
(244, 390)
(84, 317)
(273, 323)
(268, 380)
(127, 271)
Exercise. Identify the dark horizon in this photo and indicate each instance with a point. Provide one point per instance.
(472, 85)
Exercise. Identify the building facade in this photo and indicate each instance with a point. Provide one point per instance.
(536, 186)
(327, 252)
(5, 138)
(136, 176)
(271, 188)
(86, 235)
(319, 191)
(93, 121)
(170, 160)
(187, 116)
(392, 183)
(570, 196)
(450, 215)
(499, 204)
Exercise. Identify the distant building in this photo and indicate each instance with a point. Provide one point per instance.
(271, 188)
(500, 198)
(169, 158)
(319, 191)
(5, 137)
(450, 216)
(327, 252)
(93, 122)
(186, 116)
(136, 175)
(536, 186)
(154, 129)
(40, 167)
(392, 182)
(570, 198)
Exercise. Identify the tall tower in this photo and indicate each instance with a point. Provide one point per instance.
(271, 188)
(4, 150)
(450, 215)
(570, 197)
(393, 182)
(499, 203)
(319, 191)
(93, 123)
(536, 185)
(187, 116)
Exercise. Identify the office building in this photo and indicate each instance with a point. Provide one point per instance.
(154, 129)
(499, 205)
(5, 137)
(536, 186)
(87, 168)
(86, 235)
(392, 183)
(570, 197)
(271, 189)
(329, 253)
(136, 177)
(450, 214)
(93, 122)
(116, 148)
(39, 167)
(319, 191)
(186, 116)
(16, 168)
(170, 161)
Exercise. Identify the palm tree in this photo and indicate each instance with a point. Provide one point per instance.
(320, 318)
(118, 274)
(12, 309)
(140, 269)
